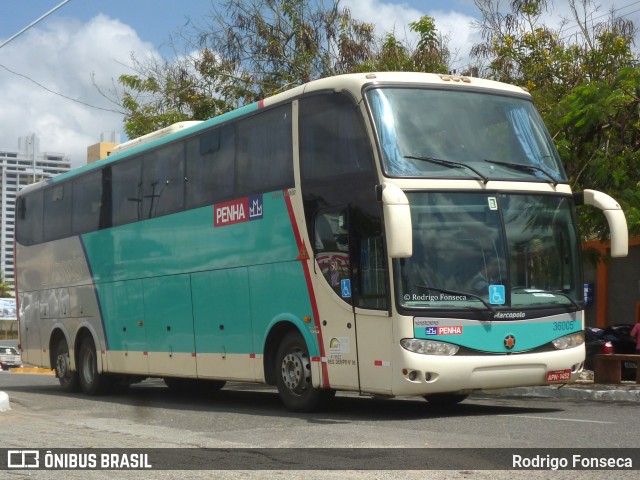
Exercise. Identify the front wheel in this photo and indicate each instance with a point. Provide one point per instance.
(293, 367)
(67, 378)
(91, 382)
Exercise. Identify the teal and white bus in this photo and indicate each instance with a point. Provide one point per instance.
(398, 234)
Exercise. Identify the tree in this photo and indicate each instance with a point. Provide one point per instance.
(6, 289)
(248, 50)
(584, 80)
(430, 54)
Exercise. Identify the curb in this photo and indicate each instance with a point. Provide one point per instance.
(598, 394)
(4, 402)
(32, 370)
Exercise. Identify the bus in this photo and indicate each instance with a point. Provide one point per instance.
(392, 234)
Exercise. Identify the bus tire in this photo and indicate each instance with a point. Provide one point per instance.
(442, 400)
(62, 365)
(91, 382)
(293, 376)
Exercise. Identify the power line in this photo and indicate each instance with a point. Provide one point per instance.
(39, 84)
(60, 94)
(610, 12)
(34, 22)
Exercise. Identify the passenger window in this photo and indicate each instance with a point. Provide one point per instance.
(265, 152)
(126, 197)
(29, 222)
(211, 167)
(163, 181)
(57, 212)
(87, 202)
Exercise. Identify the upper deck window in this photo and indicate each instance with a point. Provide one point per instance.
(440, 133)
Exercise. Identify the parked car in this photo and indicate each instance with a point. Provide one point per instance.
(9, 358)
(612, 339)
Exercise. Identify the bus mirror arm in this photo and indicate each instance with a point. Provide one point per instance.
(397, 221)
(614, 215)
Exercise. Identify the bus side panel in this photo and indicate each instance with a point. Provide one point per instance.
(30, 328)
(123, 310)
(55, 290)
(169, 325)
(279, 292)
(222, 324)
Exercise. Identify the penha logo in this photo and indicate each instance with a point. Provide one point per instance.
(238, 211)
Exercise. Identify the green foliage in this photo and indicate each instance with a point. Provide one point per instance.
(585, 84)
(6, 289)
(252, 49)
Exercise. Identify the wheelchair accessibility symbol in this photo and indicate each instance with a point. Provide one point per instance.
(345, 287)
(496, 294)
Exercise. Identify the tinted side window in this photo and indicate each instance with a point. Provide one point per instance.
(163, 181)
(29, 222)
(126, 201)
(333, 141)
(211, 167)
(87, 202)
(264, 152)
(57, 212)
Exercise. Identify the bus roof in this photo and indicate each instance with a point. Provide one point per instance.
(353, 83)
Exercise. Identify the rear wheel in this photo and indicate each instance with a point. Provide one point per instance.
(91, 382)
(67, 378)
(293, 378)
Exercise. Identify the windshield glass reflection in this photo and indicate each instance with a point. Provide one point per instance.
(426, 132)
(503, 250)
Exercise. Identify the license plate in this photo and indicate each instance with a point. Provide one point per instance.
(559, 376)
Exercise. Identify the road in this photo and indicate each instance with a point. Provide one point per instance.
(248, 416)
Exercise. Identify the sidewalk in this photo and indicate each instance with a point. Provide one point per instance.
(583, 389)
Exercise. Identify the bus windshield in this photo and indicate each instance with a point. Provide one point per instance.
(489, 250)
(439, 133)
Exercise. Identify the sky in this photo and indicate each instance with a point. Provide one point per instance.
(56, 77)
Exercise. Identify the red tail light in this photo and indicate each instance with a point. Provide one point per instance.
(606, 348)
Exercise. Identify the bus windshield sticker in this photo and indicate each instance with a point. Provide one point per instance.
(345, 288)
(493, 203)
(497, 294)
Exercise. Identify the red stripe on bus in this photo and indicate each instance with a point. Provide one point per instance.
(261, 103)
(378, 363)
(252, 355)
(312, 295)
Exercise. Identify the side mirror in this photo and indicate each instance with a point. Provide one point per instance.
(615, 218)
(397, 221)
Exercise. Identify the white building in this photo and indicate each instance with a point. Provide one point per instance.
(17, 169)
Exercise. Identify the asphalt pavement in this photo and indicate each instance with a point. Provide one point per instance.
(583, 389)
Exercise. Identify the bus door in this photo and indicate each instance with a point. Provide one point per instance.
(332, 271)
(355, 322)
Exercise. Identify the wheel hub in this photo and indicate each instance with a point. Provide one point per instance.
(62, 364)
(295, 372)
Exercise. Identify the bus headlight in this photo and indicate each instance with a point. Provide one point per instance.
(429, 347)
(569, 341)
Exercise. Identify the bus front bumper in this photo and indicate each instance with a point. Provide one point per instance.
(418, 374)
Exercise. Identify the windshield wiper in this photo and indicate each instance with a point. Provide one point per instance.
(575, 304)
(525, 168)
(450, 164)
(462, 294)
